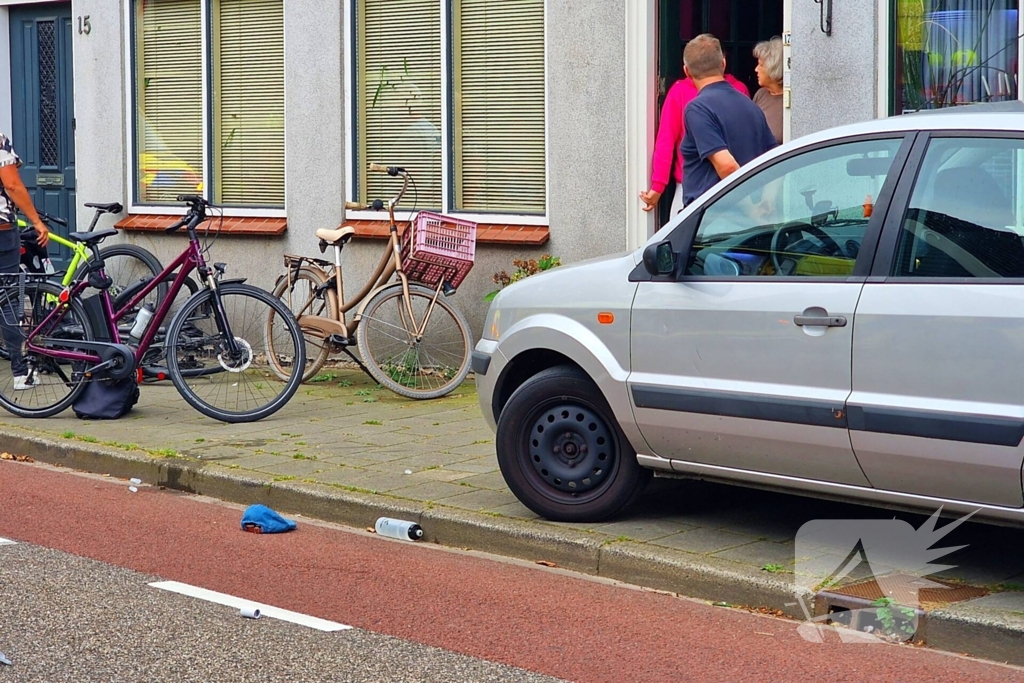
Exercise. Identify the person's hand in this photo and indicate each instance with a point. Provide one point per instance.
(42, 233)
(650, 199)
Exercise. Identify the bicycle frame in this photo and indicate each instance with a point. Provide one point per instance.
(190, 259)
(390, 264)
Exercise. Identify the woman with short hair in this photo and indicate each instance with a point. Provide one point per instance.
(769, 77)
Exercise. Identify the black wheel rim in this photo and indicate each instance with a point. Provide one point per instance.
(570, 451)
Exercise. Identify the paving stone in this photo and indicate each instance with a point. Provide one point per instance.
(515, 510)
(476, 465)
(491, 480)
(257, 462)
(343, 476)
(297, 468)
(482, 499)
(642, 529)
(430, 490)
(761, 553)
(383, 483)
(704, 540)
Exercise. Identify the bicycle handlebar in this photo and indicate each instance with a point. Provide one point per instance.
(394, 172)
(375, 205)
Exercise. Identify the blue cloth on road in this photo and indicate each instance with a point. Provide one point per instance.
(720, 117)
(262, 520)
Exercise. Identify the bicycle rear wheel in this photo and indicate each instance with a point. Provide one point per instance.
(428, 366)
(241, 387)
(52, 388)
(126, 264)
(300, 296)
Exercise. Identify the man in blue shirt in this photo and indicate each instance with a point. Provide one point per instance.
(724, 129)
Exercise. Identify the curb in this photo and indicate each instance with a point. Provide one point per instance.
(653, 567)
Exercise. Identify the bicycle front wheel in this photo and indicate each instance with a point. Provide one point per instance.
(301, 296)
(51, 385)
(240, 385)
(428, 365)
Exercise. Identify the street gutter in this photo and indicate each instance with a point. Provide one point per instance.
(986, 635)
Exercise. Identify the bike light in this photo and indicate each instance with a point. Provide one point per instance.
(64, 296)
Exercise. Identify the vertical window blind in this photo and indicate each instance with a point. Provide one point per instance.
(499, 106)
(398, 97)
(169, 120)
(248, 102)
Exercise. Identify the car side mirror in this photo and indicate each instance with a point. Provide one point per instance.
(660, 259)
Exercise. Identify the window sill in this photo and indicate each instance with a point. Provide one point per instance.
(232, 225)
(487, 233)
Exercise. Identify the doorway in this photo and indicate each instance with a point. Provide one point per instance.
(42, 104)
(738, 24)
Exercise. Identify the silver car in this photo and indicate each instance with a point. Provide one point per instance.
(842, 317)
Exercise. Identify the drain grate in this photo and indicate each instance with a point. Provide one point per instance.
(905, 589)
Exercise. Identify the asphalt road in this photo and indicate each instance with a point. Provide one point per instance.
(75, 605)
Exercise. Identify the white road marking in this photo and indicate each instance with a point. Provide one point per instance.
(239, 603)
(7, 541)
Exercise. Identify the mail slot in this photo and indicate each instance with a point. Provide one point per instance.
(49, 180)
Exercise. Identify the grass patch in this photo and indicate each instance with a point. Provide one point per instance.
(285, 478)
(88, 439)
(303, 456)
(164, 452)
(200, 440)
(323, 377)
(375, 423)
(67, 435)
(773, 568)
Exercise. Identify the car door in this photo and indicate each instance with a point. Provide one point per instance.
(743, 359)
(937, 407)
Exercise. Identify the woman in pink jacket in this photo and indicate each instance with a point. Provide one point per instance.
(670, 136)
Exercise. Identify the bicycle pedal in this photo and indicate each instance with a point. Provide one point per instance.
(338, 340)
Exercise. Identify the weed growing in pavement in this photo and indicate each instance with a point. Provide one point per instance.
(375, 423)
(67, 435)
(371, 399)
(303, 456)
(345, 383)
(285, 478)
(773, 568)
(323, 377)
(200, 440)
(89, 439)
(164, 452)
(363, 392)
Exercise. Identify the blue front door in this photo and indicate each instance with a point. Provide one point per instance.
(43, 108)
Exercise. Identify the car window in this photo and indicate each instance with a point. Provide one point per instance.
(805, 216)
(965, 218)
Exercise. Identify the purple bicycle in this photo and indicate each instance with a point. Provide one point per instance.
(234, 352)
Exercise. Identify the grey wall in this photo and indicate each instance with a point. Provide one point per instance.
(586, 120)
(834, 77)
(99, 64)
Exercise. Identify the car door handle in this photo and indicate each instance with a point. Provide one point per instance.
(820, 320)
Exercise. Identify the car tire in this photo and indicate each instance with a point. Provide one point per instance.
(561, 451)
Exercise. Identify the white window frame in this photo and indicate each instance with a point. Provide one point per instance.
(131, 143)
(887, 33)
(447, 198)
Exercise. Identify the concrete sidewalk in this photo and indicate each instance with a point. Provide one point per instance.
(347, 451)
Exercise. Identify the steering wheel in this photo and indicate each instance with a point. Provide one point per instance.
(780, 240)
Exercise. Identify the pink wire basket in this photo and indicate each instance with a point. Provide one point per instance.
(438, 248)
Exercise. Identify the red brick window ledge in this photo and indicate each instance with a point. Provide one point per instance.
(486, 233)
(232, 225)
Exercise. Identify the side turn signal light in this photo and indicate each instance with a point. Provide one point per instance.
(606, 318)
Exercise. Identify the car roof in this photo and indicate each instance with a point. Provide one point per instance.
(1008, 116)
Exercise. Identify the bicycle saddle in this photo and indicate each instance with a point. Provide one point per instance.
(91, 237)
(113, 207)
(339, 236)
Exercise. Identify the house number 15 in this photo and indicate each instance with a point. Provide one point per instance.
(84, 26)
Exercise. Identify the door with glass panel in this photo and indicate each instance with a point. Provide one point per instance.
(938, 360)
(42, 104)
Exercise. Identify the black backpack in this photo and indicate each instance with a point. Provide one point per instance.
(106, 399)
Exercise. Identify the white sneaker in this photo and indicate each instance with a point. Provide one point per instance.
(21, 383)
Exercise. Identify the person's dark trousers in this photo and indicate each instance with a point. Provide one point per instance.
(10, 307)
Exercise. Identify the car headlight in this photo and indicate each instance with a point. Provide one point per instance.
(492, 327)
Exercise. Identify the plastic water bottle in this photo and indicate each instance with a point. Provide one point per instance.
(398, 528)
(142, 321)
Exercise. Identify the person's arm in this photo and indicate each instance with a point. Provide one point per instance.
(724, 163)
(16, 190)
(670, 133)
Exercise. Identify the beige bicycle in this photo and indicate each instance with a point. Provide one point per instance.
(410, 339)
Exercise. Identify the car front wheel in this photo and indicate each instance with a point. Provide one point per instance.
(562, 452)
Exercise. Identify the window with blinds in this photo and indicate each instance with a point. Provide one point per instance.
(169, 120)
(499, 106)
(398, 97)
(248, 102)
